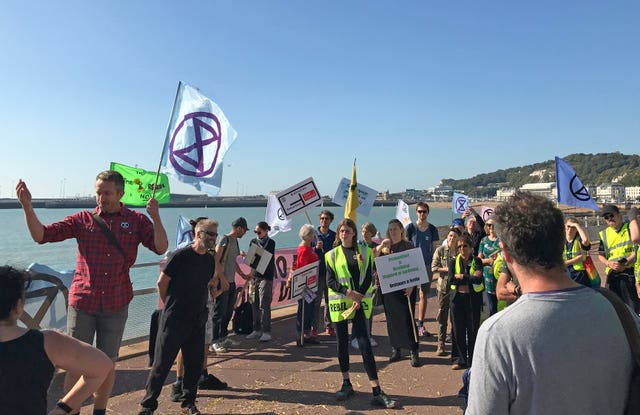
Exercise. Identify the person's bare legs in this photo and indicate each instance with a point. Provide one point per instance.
(102, 395)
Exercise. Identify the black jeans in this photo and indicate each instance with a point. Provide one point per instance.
(222, 312)
(465, 321)
(623, 284)
(359, 331)
(175, 333)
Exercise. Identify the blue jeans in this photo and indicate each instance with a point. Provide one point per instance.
(309, 313)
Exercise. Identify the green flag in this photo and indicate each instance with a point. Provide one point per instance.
(138, 185)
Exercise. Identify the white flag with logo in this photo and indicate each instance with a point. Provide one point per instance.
(275, 217)
(402, 213)
(486, 212)
(184, 234)
(198, 136)
(460, 203)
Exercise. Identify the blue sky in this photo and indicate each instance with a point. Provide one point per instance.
(417, 91)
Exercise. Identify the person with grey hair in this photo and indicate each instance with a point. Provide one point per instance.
(306, 255)
(183, 287)
(543, 354)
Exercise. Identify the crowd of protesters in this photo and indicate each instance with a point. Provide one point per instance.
(510, 257)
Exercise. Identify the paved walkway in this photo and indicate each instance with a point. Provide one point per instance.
(279, 378)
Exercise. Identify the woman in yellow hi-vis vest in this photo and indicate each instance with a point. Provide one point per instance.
(465, 277)
(350, 281)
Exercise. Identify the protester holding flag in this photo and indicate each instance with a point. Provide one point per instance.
(474, 227)
(306, 255)
(101, 290)
(350, 282)
(399, 305)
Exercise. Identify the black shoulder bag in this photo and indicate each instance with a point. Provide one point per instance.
(630, 329)
(108, 234)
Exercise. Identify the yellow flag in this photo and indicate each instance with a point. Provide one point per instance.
(352, 199)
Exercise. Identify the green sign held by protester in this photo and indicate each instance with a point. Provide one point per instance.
(139, 184)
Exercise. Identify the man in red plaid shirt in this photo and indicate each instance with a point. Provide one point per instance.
(101, 290)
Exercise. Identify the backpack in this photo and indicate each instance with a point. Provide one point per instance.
(242, 321)
(633, 337)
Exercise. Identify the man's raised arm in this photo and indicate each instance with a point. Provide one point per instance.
(36, 228)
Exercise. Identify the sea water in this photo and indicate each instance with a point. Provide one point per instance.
(19, 250)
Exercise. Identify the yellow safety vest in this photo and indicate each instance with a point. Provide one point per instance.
(337, 261)
(576, 250)
(616, 245)
(458, 270)
(636, 267)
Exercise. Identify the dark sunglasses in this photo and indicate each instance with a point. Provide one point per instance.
(257, 231)
(608, 216)
(489, 225)
(211, 234)
(422, 211)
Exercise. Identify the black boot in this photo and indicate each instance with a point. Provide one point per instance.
(415, 358)
(395, 355)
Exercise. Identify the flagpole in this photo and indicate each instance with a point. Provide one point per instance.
(166, 137)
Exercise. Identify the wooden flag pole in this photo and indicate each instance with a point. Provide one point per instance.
(413, 324)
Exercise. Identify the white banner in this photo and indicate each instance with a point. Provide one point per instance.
(275, 217)
(401, 270)
(402, 213)
(299, 197)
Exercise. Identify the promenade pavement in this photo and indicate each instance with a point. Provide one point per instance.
(277, 377)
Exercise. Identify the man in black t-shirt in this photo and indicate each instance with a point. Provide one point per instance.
(183, 287)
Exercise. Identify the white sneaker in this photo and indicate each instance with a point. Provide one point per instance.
(219, 348)
(354, 344)
(373, 342)
(254, 335)
(266, 336)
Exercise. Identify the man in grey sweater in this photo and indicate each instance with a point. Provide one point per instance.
(559, 349)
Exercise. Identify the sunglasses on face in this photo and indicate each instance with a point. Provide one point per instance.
(489, 225)
(608, 216)
(257, 231)
(422, 211)
(211, 234)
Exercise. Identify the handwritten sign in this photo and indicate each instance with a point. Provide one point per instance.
(401, 270)
(366, 196)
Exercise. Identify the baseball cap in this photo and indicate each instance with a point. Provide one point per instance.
(240, 223)
(457, 222)
(609, 209)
